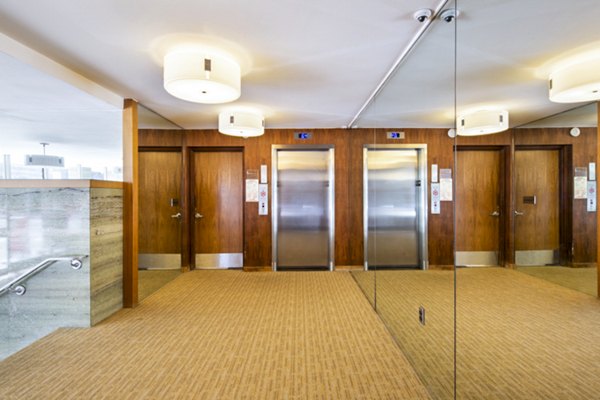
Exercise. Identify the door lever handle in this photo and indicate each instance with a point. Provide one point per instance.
(495, 213)
(519, 213)
(198, 215)
(177, 216)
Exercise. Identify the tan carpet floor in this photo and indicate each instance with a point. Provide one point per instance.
(518, 337)
(581, 279)
(224, 335)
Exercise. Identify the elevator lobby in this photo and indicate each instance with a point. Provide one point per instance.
(299, 201)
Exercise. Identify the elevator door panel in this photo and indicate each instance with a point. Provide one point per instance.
(218, 209)
(478, 207)
(159, 210)
(393, 206)
(537, 239)
(303, 208)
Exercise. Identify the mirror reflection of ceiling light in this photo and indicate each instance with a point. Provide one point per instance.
(483, 122)
(199, 76)
(577, 81)
(243, 123)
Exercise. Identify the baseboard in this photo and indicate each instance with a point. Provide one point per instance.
(257, 269)
(584, 265)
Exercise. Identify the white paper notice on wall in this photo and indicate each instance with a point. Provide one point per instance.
(435, 198)
(445, 184)
(591, 196)
(592, 171)
(251, 190)
(263, 174)
(434, 172)
(263, 199)
(580, 183)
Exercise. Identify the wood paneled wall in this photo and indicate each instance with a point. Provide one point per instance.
(348, 184)
(348, 181)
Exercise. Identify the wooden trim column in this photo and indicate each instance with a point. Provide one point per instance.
(130, 203)
(597, 212)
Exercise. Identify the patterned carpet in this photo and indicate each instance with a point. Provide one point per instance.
(224, 335)
(581, 279)
(518, 337)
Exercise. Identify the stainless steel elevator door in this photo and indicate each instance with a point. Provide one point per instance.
(304, 203)
(393, 206)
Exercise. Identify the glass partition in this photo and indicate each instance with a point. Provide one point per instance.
(525, 236)
(52, 130)
(160, 177)
(407, 178)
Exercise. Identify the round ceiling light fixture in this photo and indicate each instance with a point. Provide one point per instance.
(483, 122)
(242, 123)
(575, 82)
(201, 75)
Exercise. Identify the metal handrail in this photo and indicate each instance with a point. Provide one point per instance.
(15, 286)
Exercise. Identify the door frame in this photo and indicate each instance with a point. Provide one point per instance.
(423, 202)
(506, 222)
(275, 148)
(565, 200)
(189, 215)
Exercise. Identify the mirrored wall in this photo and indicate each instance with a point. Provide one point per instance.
(505, 306)
(557, 251)
(525, 231)
(159, 210)
(408, 174)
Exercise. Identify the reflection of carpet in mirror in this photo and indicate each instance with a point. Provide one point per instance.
(149, 281)
(429, 348)
(518, 337)
(581, 279)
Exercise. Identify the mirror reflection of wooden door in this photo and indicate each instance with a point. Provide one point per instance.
(217, 188)
(159, 210)
(478, 207)
(537, 213)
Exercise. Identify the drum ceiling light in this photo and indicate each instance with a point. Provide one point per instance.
(201, 76)
(575, 82)
(482, 122)
(243, 123)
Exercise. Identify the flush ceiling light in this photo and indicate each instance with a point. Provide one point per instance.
(201, 76)
(244, 123)
(576, 82)
(482, 122)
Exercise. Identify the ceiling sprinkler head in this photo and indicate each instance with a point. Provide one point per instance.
(423, 14)
(449, 15)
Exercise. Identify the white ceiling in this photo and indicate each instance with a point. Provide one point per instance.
(311, 64)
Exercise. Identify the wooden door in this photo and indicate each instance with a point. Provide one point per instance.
(159, 209)
(478, 207)
(218, 209)
(537, 213)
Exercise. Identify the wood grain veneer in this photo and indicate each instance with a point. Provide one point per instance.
(348, 152)
(130, 203)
